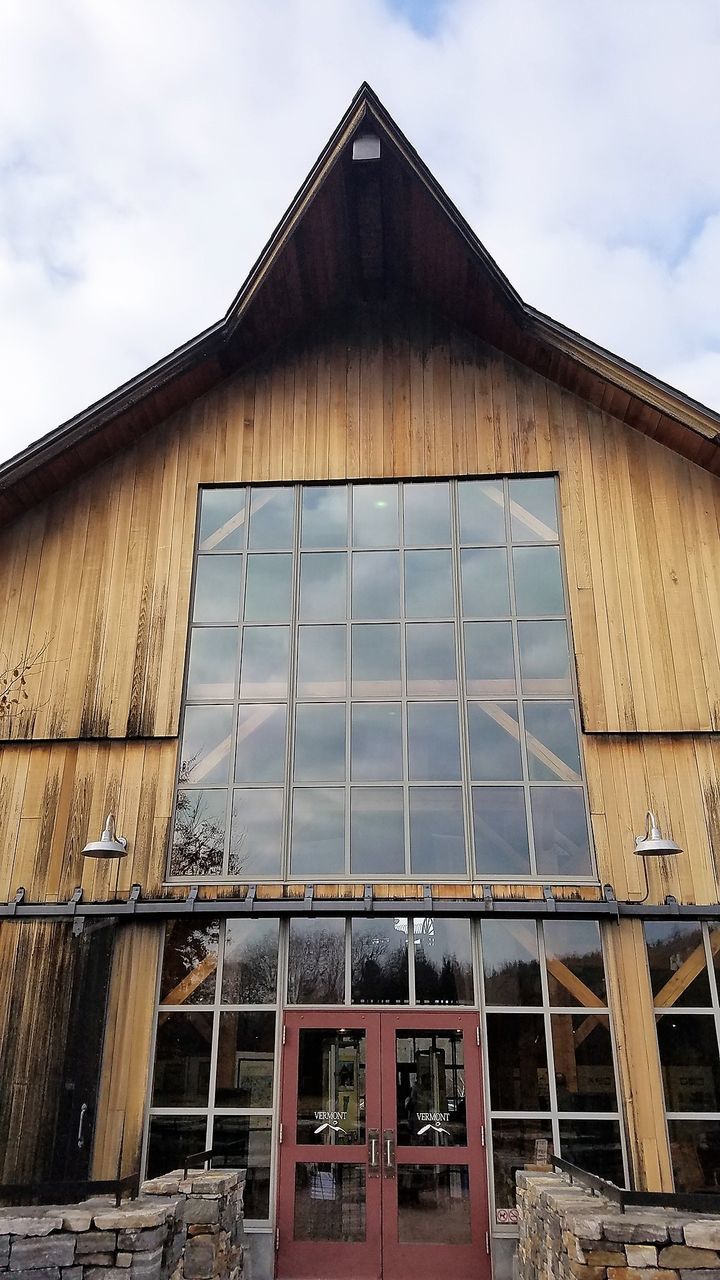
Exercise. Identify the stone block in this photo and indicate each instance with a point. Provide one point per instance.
(136, 1215)
(605, 1258)
(71, 1273)
(624, 1230)
(15, 1223)
(95, 1242)
(585, 1227)
(200, 1258)
(703, 1234)
(146, 1266)
(641, 1255)
(689, 1275)
(684, 1256)
(167, 1185)
(76, 1219)
(123, 1259)
(150, 1238)
(4, 1250)
(27, 1255)
(42, 1273)
(640, 1273)
(210, 1183)
(583, 1272)
(106, 1273)
(201, 1209)
(98, 1259)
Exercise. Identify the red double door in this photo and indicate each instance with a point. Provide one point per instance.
(382, 1161)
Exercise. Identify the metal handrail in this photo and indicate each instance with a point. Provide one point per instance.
(204, 1157)
(689, 1201)
(71, 1190)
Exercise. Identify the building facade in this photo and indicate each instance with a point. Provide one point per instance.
(379, 616)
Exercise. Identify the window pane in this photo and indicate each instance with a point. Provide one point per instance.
(544, 657)
(376, 661)
(376, 746)
(182, 1060)
(322, 662)
(517, 1143)
(678, 970)
(538, 581)
(189, 965)
(320, 743)
(689, 1060)
(318, 831)
(264, 663)
(428, 584)
(243, 1142)
(552, 742)
(271, 519)
(268, 588)
(377, 836)
(594, 1145)
(375, 515)
(433, 742)
(213, 661)
(324, 515)
(500, 824)
(250, 962)
(379, 963)
(205, 753)
(443, 961)
(485, 585)
(437, 836)
(533, 514)
(222, 520)
(482, 511)
(584, 1070)
(430, 1077)
(494, 741)
(517, 1061)
(260, 747)
(199, 835)
(427, 514)
(323, 587)
(217, 589)
(560, 830)
(246, 1052)
(511, 963)
(489, 662)
(171, 1138)
(316, 962)
(256, 832)
(331, 1080)
(431, 659)
(695, 1152)
(576, 973)
(376, 584)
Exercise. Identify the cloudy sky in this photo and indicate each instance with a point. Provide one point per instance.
(149, 147)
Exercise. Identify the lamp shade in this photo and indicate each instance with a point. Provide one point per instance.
(109, 845)
(654, 844)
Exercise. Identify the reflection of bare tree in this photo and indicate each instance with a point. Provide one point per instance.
(317, 965)
(379, 966)
(189, 959)
(250, 969)
(444, 980)
(199, 832)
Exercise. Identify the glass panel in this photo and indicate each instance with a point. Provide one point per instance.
(324, 516)
(594, 1145)
(243, 1142)
(482, 511)
(199, 835)
(560, 830)
(376, 584)
(182, 1060)
(443, 961)
(485, 585)
(268, 588)
(322, 662)
(584, 1071)
(331, 1087)
(695, 1152)
(552, 742)
(376, 743)
(689, 1060)
(246, 1051)
(190, 960)
(518, 1062)
(264, 663)
(544, 657)
(272, 514)
(576, 973)
(323, 587)
(427, 514)
(217, 589)
(434, 1204)
(318, 831)
(260, 746)
(437, 834)
(379, 962)
(494, 741)
(510, 962)
(500, 825)
(250, 962)
(428, 584)
(678, 969)
(329, 1202)
(316, 963)
(517, 1143)
(375, 515)
(533, 514)
(489, 663)
(376, 661)
(170, 1140)
(222, 520)
(538, 581)
(433, 742)
(320, 742)
(256, 832)
(431, 659)
(377, 832)
(213, 662)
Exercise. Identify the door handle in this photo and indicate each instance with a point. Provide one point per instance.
(389, 1145)
(374, 1160)
(81, 1126)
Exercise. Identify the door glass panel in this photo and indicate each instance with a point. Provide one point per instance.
(324, 516)
(246, 1051)
(268, 588)
(427, 514)
(331, 1087)
(443, 961)
(376, 661)
(217, 589)
(379, 962)
(482, 511)
(260, 747)
(329, 1202)
(430, 1089)
(316, 961)
(485, 586)
(323, 587)
(434, 1204)
(375, 515)
(428, 584)
(321, 662)
(376, 584)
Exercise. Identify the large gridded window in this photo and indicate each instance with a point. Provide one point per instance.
(380, 684)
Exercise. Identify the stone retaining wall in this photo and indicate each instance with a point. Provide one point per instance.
(179, 1229)
(567, 1233)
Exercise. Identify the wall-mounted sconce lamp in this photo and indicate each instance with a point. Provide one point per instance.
(109, 845)
(653, 845)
